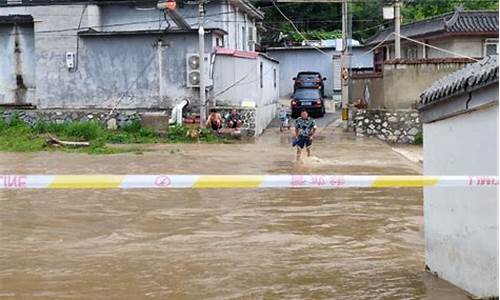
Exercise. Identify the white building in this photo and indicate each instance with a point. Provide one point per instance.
(460, 117)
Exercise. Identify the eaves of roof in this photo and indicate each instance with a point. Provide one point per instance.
(472, 77)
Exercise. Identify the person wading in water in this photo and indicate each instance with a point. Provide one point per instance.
(305, 128)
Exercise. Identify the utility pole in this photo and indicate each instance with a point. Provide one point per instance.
(397, 28)
(345, 65)
(201, 54)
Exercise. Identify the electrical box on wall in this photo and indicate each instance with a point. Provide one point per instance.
(70, 60)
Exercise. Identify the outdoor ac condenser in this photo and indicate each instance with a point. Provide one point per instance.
(193, 70)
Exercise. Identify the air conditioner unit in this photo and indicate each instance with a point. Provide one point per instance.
(193, 72)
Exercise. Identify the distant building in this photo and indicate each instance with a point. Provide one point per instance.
(397, 83)
(121, 54)
(469, 33)
(324, 58)
(460, 131)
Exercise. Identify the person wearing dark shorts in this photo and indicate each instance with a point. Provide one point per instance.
(305, 128)
(214, 121)
(234, 120)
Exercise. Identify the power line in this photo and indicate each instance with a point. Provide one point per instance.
(296, 29)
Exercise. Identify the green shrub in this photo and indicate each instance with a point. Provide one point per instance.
(18, 136)
(132, 127)
(177, 134)
(73, 131)
(84, 130)
(419, 138)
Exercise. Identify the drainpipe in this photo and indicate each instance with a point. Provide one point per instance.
(159, 51)
(176, 116)
(468, 100)
(237, 29)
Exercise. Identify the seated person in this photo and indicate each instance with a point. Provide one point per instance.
(214, 120)
(234, 120)
(360, 104)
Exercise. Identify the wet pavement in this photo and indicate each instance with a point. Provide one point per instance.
(213, 244)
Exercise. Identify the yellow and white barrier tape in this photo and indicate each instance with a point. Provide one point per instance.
(237, 181)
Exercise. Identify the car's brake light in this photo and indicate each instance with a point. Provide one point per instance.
(318, 101)
(294, 103)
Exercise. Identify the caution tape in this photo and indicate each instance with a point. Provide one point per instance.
(237, 181)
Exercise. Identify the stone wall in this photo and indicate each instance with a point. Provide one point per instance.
(393, 126)
(247, 115)
(119, 118)
(30, 117)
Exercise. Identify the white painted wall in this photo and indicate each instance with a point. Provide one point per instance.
(447, 44)
(469, 46)
(238, 79)
(461, 224)
(235, 80)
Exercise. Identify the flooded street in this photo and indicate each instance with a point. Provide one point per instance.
(214, 244)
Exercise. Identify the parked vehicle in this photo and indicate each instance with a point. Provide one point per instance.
(309, 79)
(308, 99)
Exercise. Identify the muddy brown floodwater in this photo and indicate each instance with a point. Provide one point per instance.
(217, 244)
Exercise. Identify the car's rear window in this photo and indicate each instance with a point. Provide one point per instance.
(309, 76)
(307, 94)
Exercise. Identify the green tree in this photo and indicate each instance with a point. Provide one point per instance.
(366, 16)
(415, 10)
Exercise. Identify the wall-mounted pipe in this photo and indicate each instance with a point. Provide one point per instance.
(176, 116)
(468, 100)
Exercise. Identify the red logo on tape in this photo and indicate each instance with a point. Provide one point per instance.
(13, 181)
(162, 181)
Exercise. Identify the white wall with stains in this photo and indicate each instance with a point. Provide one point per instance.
(461, 224)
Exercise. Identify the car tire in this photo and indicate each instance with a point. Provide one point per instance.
(295, 114)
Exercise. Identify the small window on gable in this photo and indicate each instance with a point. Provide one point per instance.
(491, 47)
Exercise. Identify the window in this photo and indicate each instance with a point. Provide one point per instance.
(251, 42)
(275, 79)
(307, 94)
(261, 75)
(244, 38)
(378, 61)
(411, 52)
(219, 41)
(491, 47)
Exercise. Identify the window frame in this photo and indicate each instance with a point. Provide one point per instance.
(490, 42)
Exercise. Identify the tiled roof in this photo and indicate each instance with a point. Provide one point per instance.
(473, 22)
(474, 76)
(457, 22)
